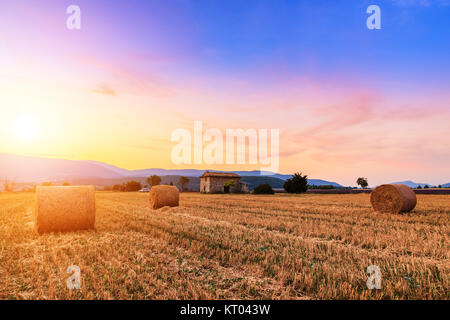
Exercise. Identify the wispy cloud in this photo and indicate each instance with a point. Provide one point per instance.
(131, 79)
(104, 89)
(421, 3)
(404, 3)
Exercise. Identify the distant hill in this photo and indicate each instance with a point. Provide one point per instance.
(254, 181)
(412, 184)
(312, 182)
(318, 182)
(26, 169)
(150, 172)
(282, 176)
(33, 169)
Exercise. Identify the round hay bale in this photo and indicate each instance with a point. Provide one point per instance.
(393, 198)
(162, 196)
(62, 209)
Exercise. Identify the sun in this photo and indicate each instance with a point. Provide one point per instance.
(25, 128)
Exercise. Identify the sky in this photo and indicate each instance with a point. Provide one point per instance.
(347, 101)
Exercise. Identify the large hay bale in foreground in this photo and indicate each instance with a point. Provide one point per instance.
(393, 198)
(60, 209)
(162, 196)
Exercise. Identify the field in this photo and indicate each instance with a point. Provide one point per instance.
(311, 246)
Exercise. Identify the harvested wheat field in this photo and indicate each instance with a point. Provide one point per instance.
(308, 246)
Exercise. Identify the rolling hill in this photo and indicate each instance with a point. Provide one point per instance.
(412, 184)
(27, 169)
(33, 169)
(253, 181)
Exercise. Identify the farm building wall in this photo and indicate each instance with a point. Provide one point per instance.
(216, 184)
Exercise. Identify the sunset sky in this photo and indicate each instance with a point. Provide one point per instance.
(348, 101)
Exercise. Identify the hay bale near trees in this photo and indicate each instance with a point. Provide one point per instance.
(163, 195)
(393, 198)
(62, 209)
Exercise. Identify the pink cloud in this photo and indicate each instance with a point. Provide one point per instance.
(132, 80)
(104, 89)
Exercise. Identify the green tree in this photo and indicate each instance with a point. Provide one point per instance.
(154, 180)
(419, 187)
(263, 188)
(182, 182)
(296, 184)
(132, 186)
(362, 182)
(230, 183)
(9, 186)
(117, 187)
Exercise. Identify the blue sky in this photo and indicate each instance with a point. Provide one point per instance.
(375, 100)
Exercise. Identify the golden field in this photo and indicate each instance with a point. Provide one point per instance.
(311, 246)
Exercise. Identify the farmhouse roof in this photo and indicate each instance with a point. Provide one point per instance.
(220, 174)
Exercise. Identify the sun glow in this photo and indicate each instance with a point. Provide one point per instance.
(25, 128)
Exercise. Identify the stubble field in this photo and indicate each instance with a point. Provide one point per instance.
(308, 246)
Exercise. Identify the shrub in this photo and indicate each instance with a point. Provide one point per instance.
(296, 184)
(230, 183)
(132, 186)
(263, 188)
(182, 182)
(326, 187)
(154, 180)
(9, 186)
(117, 187)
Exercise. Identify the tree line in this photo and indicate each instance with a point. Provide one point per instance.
(154, 180)
(297, 184)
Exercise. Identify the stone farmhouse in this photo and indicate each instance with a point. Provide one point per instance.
(222, 182)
